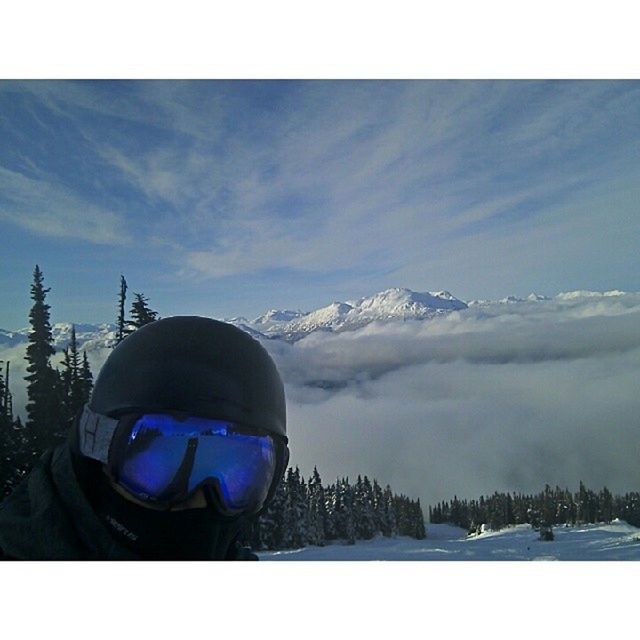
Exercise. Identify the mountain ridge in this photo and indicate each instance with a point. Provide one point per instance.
(391, 305)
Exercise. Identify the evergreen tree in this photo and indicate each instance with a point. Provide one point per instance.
(378, 507)
(330, 501)
(73, 383)
(294, 516)
(364, 508)
(86, 379)
(605, 512)
(43, 388)
(402, 510)
(581, 500)
(120, 323)
(347, 524)
(65, 377)
(6, 433)
(317, 510)
(6, 405)
(141, 313)
(389, 526)
(419, 532)
(16, 458)
(337, 509)
(271, 523)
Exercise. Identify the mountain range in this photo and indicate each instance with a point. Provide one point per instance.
(391, 305)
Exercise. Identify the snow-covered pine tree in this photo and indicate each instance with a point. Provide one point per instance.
(271, 534)
(290, 522)
(330, 501)
(389, 520)
(378, 507)
(400, 504)
(419, 531)
(345, 524)
(296, 508)
(317, 514)
(336, 508)
(605, 501)
(363, 509)
(301, 509)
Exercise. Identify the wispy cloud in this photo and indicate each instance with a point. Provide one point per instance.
(348, 172)
(48, 209)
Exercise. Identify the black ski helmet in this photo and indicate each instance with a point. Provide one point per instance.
(197, 366)
(193, 365)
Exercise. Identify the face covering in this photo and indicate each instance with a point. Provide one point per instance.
(189, 534)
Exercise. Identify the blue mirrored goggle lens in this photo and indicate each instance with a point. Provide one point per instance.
(161, 448)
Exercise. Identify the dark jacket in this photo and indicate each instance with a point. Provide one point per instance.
(49, 517)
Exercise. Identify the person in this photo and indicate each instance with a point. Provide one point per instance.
(180, 447)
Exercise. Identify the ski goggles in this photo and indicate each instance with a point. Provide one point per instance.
(162, 459)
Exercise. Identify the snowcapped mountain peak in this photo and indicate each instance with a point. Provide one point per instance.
(403, 303)
(537, 297)
(396, 303)
(444, 295)
(510, 300)
(277, 315)
(325, 315)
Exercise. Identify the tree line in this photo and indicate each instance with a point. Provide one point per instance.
(54, 395)
(309, 513)
(551, 506)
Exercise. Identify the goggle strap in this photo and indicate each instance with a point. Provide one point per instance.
(95, 433)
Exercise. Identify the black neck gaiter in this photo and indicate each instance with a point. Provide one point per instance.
(189, 534)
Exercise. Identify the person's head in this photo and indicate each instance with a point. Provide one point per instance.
(189, 412)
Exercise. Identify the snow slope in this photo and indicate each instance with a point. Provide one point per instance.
(615, 541)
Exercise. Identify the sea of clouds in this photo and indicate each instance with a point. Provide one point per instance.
(502, 397)
(499, 397)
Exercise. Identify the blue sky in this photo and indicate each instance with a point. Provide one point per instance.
(229, 198)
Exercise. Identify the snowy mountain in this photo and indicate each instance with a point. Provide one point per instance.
(532, 297)
(88, 336)
(567, 296)
(397, 304)
(392, 305)
(274, 316)
(510, 300)
(537, 297)
(11, 338)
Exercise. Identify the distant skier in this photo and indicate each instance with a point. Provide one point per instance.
(182, 443)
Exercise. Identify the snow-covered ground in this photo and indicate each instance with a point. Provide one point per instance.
(615, 541)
